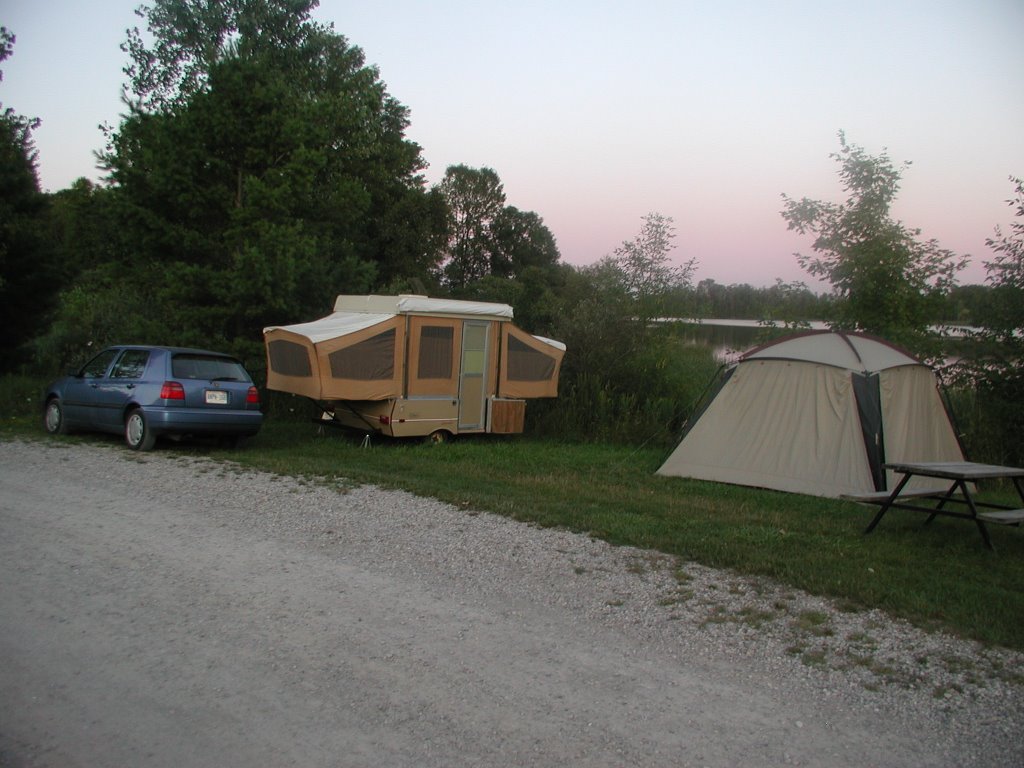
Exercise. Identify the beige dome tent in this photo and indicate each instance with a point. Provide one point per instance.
(818, 413)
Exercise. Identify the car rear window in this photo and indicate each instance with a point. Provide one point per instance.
(209, 367)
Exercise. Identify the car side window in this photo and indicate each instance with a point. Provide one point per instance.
(96, 367)
(131, 365)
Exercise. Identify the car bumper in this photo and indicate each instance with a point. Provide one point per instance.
(169, 421)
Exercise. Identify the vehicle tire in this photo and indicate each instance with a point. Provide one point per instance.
(438, 437)
(137, 433)
(53, 417)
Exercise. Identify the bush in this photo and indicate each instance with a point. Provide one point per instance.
(20, 399)
(645, 399)
(990, 420)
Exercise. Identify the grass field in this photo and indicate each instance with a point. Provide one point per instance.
(938, 575)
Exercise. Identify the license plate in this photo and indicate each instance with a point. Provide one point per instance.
(216, 397)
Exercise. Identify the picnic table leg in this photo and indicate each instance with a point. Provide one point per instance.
(1020, 490)
(974, 511)
(942, 502)
(887, 504)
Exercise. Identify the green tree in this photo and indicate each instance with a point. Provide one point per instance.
(103, 296)
(785, 305)
(966, 303)
(624, 377)
(884, 280)
(262, 168)
(1005, 273)
(476, 199)
(521, 242)
(27, 268)
(413, 234)
(486, 238)
(645, 269)
(997, 373)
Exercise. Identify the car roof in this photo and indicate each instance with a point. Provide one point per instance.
(173, 350)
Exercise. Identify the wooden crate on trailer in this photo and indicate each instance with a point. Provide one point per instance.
(508, 417)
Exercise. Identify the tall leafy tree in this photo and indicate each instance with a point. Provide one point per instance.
(646, 265)
(475, 198)
(103, 297)
(624, 376)
(521, 242)
(1005, 273)
(486, 238)
(413, 235)
(26, 261)
(263, 166)
(645, 268)
(884, 279)
(998, 371)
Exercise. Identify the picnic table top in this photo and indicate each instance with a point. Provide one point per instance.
(954, 470)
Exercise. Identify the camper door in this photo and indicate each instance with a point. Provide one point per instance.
(473, 378)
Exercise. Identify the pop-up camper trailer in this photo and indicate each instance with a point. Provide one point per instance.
(407, 366)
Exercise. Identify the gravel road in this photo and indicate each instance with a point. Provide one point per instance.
(161, 610)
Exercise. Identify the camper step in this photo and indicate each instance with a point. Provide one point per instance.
(1005, 517)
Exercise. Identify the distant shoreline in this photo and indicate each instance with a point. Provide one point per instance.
(951, 329)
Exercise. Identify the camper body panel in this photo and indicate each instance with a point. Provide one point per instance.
(397, 417)
(423, 416)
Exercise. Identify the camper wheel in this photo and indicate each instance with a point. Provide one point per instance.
(439, 436)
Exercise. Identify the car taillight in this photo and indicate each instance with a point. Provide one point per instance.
(252, 397)
(172, 390)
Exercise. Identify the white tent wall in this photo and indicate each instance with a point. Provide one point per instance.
(790, 426)
(788, 418)
(916, 425)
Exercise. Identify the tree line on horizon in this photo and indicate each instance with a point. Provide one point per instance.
(262, 168)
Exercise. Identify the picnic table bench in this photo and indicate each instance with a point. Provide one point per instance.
(961, 476)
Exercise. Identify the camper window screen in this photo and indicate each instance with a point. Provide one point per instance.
(527, 364)
(289, 359)
(369, 360)
(435, 359)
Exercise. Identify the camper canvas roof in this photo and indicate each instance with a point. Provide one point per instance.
(408, 304)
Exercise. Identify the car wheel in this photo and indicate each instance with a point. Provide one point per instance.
(137, 433)
(53, 417)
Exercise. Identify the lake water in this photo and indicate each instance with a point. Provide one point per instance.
(731, 338)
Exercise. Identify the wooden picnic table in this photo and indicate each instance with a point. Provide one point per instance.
(962, 476)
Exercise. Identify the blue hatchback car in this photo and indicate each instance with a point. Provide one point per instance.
(146, 392)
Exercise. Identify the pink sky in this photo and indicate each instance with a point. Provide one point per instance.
(596, 113)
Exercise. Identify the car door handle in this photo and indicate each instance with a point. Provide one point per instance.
(129, 386)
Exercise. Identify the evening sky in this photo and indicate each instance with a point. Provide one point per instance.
(595, 113)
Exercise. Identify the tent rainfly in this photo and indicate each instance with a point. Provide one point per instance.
(413, 366)
(818, 413)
